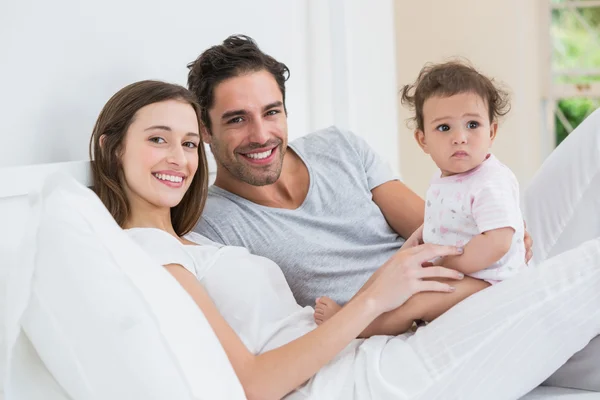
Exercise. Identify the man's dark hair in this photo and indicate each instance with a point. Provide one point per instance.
(237, 55)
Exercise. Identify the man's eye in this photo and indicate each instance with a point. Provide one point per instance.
(272, 112)
(235, 120)
(157, 140)
(473, 125)
(443, 128)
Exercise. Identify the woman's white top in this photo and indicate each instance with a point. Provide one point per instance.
(253, 296)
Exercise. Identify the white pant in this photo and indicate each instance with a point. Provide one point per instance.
(504, 341)
(562, 207)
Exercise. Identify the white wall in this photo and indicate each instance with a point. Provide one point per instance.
(63, 59)
(352, 71)
(501, 38)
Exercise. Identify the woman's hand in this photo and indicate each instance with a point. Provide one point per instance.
(403, 274)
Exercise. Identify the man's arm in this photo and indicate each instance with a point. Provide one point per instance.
(402, 208)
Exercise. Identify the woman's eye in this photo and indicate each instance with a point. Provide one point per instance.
(473, 125)
(443, 128)
(191, 145)
(157, 140)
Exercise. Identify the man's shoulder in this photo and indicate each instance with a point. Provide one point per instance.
(221, 215)
(323, 138)
(222, 203)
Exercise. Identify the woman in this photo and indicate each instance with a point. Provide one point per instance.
(150, 171)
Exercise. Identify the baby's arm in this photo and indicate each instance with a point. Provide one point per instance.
(495, 209)
(481, 251)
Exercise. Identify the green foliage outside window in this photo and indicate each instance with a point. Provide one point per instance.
(575, 47)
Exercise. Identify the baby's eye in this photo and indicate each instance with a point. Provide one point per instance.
(443, 128)
(157, 140)
(473, 125)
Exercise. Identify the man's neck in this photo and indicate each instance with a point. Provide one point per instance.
(288, 192)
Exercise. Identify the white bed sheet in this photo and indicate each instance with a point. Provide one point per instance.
(554, 393)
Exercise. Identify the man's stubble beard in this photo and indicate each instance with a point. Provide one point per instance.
(244, 173)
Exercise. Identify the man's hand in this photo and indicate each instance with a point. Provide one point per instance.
(415, 239)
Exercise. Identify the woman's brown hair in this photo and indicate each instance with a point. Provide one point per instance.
(112, 125)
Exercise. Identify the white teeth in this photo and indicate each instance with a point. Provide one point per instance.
(260, 156)
(170, 178)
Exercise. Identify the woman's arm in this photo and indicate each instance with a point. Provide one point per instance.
(402, 208)
(265, 376)
(273, 374)
(481, 251)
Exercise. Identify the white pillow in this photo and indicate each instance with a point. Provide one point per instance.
(107, 321)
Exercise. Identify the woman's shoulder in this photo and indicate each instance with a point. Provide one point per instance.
(196, 238)
(163, 247)
(196, 253)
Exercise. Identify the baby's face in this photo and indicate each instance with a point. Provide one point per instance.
(457, 133)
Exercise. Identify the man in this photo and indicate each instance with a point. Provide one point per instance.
(327, 209)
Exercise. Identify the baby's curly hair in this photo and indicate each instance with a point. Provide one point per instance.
(448, 79)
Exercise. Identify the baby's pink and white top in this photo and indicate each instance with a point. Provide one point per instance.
(461, 206)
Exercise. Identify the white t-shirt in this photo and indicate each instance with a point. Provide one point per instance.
(462, 206)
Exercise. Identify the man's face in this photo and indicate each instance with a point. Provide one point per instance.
(248, 135)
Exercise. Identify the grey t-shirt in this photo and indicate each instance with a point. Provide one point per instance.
(335, 240)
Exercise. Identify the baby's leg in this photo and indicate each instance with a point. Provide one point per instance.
(394, 322)
(425, 305)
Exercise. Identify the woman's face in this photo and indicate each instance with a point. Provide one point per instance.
(160, 154)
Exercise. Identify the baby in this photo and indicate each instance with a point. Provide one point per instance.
(473, 200)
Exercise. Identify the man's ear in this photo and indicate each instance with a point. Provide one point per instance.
(493, 130)
(420, 138)
(205, 133)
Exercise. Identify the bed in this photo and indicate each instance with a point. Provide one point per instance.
(16, 184)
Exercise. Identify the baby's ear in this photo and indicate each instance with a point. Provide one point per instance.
(420, 138)
(493, 130)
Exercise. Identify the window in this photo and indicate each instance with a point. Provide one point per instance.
(573, 90)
